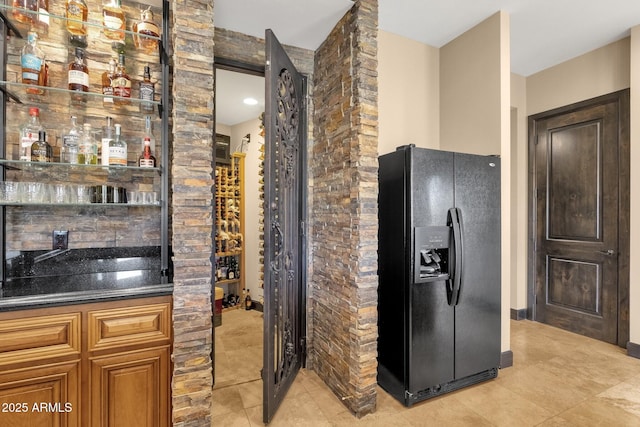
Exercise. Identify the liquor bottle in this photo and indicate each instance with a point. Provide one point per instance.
(40, 149)
(148, 132)
(33, 64)
(29, 133)
(114, 22)
(108, 133)
(118, 149)
(107, 83)
(42, 22)
(79, 73)
(88, 149)
(76, 13)
(247, 301)
(71, 142)
(121, 83)
(24, 10)
(144, 31)
(146, 159)
(147, 92)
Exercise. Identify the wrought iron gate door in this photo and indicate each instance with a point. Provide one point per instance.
(284, 249)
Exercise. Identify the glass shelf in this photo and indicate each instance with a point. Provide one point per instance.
(21, 29)
(35, 166)
(19, 94)
(89, 205)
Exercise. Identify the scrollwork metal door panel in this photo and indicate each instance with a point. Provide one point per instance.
(285, 183)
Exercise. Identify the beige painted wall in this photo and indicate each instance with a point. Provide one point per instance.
(595, 73)
(634, 270)
(471, 89)
(519, 195)
(408, 93)
(475, 117)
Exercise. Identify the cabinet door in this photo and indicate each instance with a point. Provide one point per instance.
(130, 389)
(43, 396)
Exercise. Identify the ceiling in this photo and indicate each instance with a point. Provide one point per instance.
(543, 32)
(231, 90)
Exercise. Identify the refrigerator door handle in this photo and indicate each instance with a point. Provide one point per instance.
(454, 221)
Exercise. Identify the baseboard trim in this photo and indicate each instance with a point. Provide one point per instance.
(518, 314)
(506, 359)
(633, 350)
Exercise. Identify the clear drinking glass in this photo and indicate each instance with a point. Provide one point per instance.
(59, 194)
(32, 192)
(133, 197)
(83, 194)
(8, 192)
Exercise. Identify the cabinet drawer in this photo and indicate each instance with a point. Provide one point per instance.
(129, 326)
(34, 338)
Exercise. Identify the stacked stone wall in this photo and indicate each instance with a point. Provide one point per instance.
(192, 220)
(344, 166)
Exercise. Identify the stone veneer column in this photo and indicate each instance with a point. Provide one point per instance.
(192, 221)
(344, 213)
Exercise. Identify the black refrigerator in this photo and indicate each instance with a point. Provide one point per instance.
(439, 272)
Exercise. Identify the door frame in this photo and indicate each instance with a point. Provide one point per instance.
(221, 63)
(622, 97)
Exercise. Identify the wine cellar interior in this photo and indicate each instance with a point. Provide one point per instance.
(239, 244)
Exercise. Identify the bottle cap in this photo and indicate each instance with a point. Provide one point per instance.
(147, 14)
(34, 111)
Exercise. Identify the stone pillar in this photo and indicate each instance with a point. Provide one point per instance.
(192, 222)
(344, 213)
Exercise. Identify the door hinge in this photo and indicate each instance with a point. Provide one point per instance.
(303, 347)
(303, 228)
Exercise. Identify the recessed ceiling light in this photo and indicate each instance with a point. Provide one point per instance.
(250, 101)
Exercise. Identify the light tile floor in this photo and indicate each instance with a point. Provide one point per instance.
(557, 379)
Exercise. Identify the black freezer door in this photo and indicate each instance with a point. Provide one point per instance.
(477, 314)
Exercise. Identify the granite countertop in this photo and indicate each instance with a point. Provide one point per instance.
(45, 278)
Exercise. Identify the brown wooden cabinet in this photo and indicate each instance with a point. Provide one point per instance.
(128, 389)
(101, 365)
(45, 395)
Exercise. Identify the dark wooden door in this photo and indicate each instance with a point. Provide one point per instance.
(284, 248)
(577, 210)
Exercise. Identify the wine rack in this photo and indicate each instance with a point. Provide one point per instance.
(229, 240)
(261, 217)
